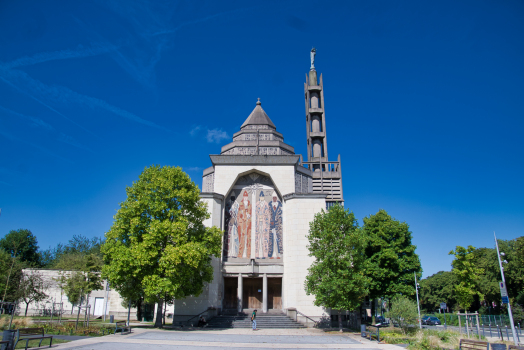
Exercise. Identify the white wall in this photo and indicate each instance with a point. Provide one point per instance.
(283, 176)
(55, 294)
(299, 212)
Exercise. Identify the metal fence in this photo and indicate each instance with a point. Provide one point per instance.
(497, 326)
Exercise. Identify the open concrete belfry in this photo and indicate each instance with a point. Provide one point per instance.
(327, 176)
(263, 197)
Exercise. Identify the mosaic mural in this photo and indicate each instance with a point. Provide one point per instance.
(253, 220)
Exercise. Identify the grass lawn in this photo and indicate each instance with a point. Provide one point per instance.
(34, 343)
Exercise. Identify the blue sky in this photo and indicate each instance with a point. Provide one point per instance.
(424, 102)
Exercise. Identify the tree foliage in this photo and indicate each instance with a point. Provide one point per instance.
(32, 288)
(10, 275)
(436, 289)
(404, 312)
(21, 244)
(390, 256)
(84, 279)
(158, 245)
(72, 256)
(468, 275)
(336, 277)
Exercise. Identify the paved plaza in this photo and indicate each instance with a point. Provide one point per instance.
(235, 339)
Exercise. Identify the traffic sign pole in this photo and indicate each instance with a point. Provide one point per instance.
(443, 306)
(504, 287)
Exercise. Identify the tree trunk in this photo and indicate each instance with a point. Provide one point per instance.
(159, 312)
(339, 320)
(139, 310)
(26, 307)
(164, 314)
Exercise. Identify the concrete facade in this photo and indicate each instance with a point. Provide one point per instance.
(255, 266)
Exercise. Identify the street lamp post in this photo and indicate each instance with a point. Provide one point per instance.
(418, 304)
(504, 281)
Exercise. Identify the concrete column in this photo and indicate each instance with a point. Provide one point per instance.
(240, 291)
(264, 294)
(315, 123)
(317, 148)
(314, 100)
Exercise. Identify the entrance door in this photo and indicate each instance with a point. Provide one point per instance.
(252, 295)
(230, 293)
(99, 307)
(274, 293)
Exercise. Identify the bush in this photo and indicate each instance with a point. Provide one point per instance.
(403, 312)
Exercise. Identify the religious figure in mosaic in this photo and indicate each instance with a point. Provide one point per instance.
(262, 229)
(231, 224)
(244, 226)
(275, 228)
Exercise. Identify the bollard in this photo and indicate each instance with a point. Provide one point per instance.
(490, 335)
(507, 334)
(498, 332)
(483, 333)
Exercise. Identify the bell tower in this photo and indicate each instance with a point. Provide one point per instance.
(327, 176)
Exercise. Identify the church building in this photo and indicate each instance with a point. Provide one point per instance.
(263, 196)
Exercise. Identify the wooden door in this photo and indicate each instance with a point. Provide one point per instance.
(252, 295)
(274, 293)
(230, 292)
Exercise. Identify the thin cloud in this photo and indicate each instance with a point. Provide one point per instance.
(39, 123)
(42, 102)
(216, 135)
(154, 28)
(195, 130)
(200, 20)
(34, 122)
(94, 49)
(42, 149)
(60, 94)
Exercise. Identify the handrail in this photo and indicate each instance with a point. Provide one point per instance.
(206, 310)
(306, 316)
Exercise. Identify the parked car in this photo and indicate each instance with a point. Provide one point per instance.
(433, 321)
(424, 319)
(381, 321)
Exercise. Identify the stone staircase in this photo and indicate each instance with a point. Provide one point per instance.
(264, 321)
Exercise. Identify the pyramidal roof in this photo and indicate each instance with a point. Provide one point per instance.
(258, 117)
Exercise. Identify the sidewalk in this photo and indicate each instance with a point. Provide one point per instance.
(237, 339)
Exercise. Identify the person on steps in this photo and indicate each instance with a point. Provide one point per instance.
(201, 322)
(254, 319)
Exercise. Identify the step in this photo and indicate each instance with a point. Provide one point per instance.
(244, 321)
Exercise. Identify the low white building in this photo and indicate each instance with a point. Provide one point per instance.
(106, 301)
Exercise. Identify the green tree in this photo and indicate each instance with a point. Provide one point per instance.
(84, 279)
(467, 274)
(31, 288)
(436, 289)
(71, 256)
(159, 241)
(21, 244)
(10, 275)
(404, 312)
(390, 257)
(336, 277)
